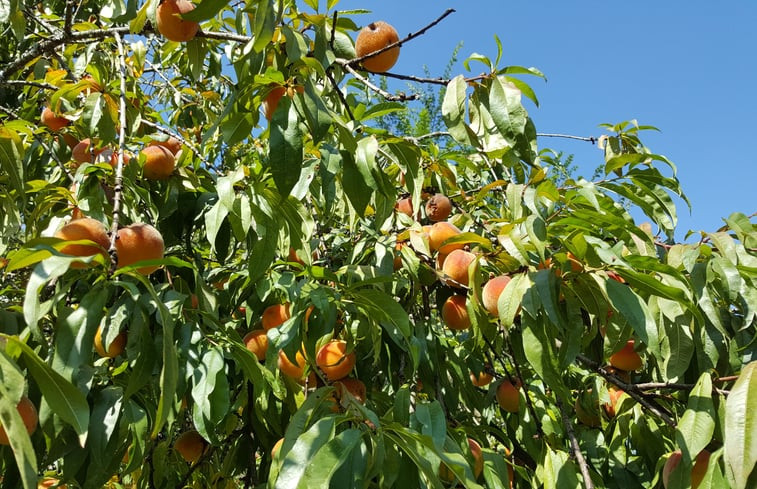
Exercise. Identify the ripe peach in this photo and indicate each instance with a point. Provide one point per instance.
(139, 242)
(405, 206)
(83, 151)
(49, 482)
(276, 448)
(159, 162)
(455, 314)
(438, 207)
(190, 445)
(373, 37)
(172, 144)
(257, 342)
(670, 464)
(291, 369)
(398, 256)
(439, 233)
(52, 121)
(508, 397)
(275, 315)
(575, 264)
(456, 267)
(478, 458)
(491, 292)
(116, 347)
(626, 358)
(333, 360)
(170, 25)
(587, 409)
(84, 228)
(292, 257)
(483, 378)
(114, 158)
(271, 101)
(353, 386)
(700, 468)
(610, 407)
(28, 413)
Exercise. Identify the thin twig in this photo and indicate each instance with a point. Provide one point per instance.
(330, 76)
(590, 139)
(377, 89)
(649, 386)
(575, 448)
(44, 85)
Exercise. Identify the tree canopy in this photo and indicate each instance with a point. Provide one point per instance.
(239, 259)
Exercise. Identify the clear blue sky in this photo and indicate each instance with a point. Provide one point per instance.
(686, 67)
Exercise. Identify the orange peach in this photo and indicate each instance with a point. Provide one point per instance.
(455, 314)
(439, 233)
(491, 292)
(84, 228)
(139, 242)
(275, 315)
(456, 267)
(508, 396)
(334, 361)
(626, 358)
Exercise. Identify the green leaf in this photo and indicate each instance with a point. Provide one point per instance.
(305, 448)
(509, 302)
(286, 147)
(740, 453)
(506, 110)
(13, 425)
(429, 420)
(205, 10)
(11, 159)
(64, 399)
(328, 459)
(453, 109)
(697, 425)
(356, 188)
(634, 310)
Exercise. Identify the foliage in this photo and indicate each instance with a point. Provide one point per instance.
(322, 179)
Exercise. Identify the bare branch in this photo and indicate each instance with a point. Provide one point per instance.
(68, 16)
(43, 85)
(590, 139)
(340, 94)
(375, 88)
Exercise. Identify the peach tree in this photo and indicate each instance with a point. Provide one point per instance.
(382, 307)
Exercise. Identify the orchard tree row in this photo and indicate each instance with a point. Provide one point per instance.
(223, 265)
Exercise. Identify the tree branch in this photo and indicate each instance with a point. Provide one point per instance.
(118, 188)
(575, 448)
(388, 96)
(629, 389)
(590, 139)
(43, 85)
